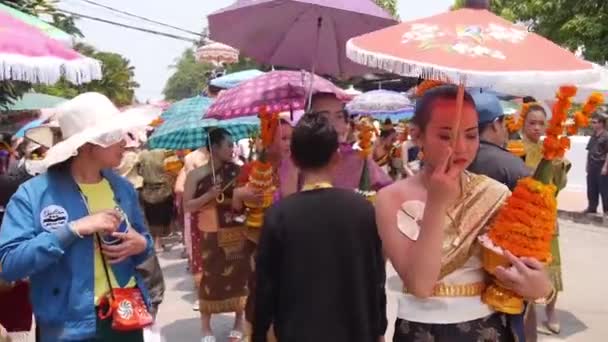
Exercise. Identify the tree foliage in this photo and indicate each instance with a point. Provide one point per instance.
(569, 23)
(118, 81)
(390, 6)
(189, 77)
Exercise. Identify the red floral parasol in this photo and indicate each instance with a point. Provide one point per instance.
(472, 46)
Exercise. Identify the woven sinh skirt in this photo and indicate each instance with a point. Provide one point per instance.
(223, 286)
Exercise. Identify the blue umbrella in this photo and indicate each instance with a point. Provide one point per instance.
(32, 124)
(198, 104)
(232, 80)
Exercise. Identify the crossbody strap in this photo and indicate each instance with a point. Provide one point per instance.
(105, 266)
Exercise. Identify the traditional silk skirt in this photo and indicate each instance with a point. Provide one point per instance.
(223, 286)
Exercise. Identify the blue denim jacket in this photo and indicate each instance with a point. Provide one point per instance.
(37, 243)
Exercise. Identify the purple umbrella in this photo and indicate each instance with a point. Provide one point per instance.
(279, 90)
(299, 34)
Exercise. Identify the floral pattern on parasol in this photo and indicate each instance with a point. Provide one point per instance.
(474, 47)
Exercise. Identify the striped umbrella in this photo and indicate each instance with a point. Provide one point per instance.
(186, 130)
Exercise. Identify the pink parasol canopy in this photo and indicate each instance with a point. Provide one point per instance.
(279, 90)
(27, 54)
(472, 46)
(217, 53)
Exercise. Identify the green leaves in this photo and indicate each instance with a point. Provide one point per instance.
(189, 78)
(390, 6)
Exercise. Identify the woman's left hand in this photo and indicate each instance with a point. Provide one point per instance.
(131, 243)
(526, 276)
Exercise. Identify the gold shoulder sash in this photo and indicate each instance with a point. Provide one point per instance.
(469, 218)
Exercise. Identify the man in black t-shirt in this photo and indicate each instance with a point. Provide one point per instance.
(320, 269)
(597, 165)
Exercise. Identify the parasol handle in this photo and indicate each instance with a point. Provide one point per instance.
(314, 62)
(459, 110)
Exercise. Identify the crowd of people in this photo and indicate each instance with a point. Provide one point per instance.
(80, 239)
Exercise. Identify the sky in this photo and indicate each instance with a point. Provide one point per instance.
(153, 55)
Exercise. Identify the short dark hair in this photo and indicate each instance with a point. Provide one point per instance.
(422, 113)
(218, 135)
(601, 118)
(314, 142)
(486, 125)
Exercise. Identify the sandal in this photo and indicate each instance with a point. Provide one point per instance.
(209, 338)
(235, 336)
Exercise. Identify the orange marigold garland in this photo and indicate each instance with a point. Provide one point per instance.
(261, 176)
(366, 131)
(525, 225)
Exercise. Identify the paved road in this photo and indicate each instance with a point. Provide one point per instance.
(583, 306)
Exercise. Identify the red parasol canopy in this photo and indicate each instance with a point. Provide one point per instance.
(472, 46)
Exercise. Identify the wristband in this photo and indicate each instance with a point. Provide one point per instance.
(549, 298)
(74, 230)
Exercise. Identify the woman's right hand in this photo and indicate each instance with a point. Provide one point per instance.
(215, 191)
(444, 183)
(105, 221)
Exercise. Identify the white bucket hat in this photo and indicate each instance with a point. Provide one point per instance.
(90, 118)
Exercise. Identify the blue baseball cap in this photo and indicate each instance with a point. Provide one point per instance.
(488, 107)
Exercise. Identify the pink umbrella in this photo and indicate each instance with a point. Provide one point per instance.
(279, 90)
(298, 34)
(27, 54)
(217, 53)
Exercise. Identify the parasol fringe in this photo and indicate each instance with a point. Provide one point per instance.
(48, 70)
(474, 78)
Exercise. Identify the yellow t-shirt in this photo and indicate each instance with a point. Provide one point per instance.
(101, 197)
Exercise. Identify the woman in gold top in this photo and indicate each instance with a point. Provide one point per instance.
(208, 196)
(429, 224)
(534, 126)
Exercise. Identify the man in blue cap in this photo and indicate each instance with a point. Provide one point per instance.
(493, 160)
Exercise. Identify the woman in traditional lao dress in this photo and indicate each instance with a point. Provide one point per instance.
(429, 224)
(533, 128)
(286, 183)
(225, 256)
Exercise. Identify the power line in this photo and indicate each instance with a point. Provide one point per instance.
(158, 33)
(140, 17)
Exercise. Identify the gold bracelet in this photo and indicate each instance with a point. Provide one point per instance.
(549, 298)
